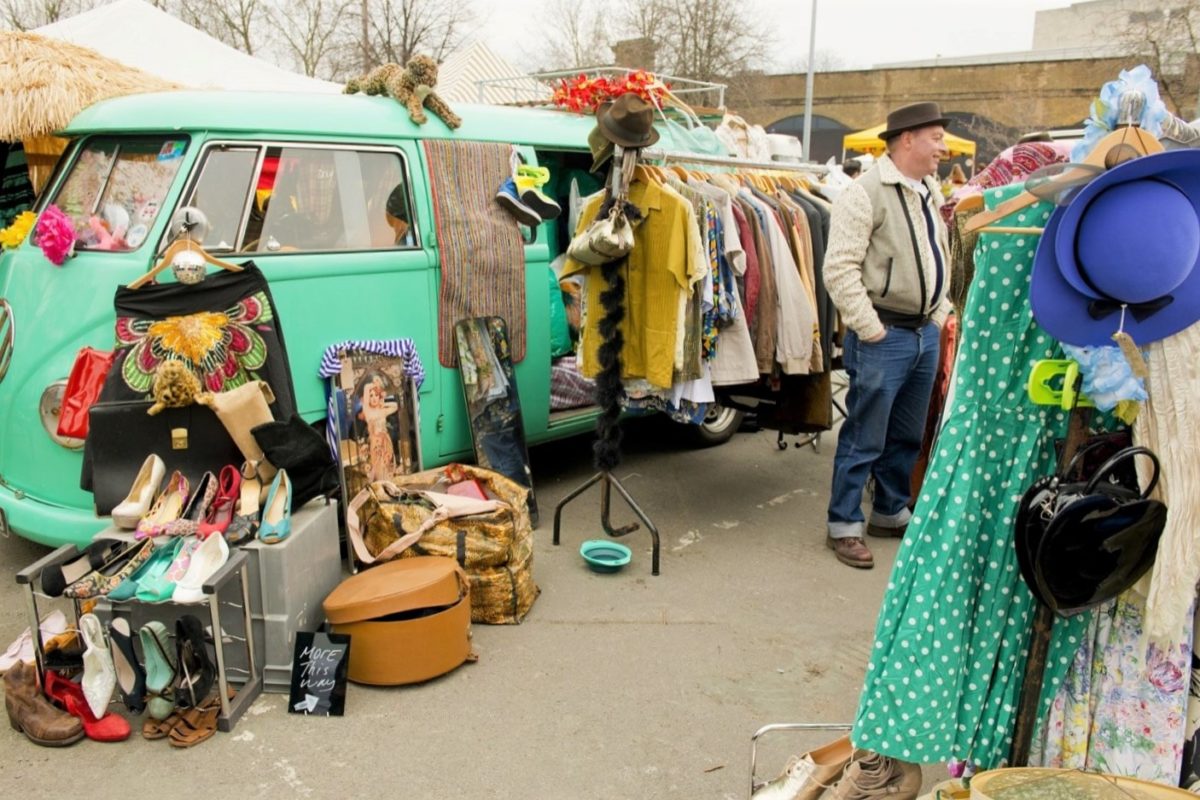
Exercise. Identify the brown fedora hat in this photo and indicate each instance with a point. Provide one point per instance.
(627, 121)
(601, 147)
(910, 117)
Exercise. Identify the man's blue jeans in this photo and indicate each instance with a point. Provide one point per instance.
(890, 384)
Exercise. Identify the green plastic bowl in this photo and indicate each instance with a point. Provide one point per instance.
(603, 555)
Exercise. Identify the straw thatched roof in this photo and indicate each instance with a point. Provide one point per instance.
(45, 82)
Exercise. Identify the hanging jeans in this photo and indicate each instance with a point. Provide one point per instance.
(890, 384)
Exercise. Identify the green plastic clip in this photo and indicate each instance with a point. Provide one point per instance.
(1055, 382)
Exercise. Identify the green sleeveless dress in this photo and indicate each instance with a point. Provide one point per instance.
(945, 674)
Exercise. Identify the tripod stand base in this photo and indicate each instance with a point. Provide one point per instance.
(607, 483)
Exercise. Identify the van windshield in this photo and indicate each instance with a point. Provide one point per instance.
(116, 187)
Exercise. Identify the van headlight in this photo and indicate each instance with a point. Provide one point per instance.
(49, 409)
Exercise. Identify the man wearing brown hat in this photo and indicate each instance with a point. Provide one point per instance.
(886, 269)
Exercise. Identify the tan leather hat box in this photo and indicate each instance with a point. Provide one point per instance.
(409, 620)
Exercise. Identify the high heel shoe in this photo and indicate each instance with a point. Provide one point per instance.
(245, 522)
(57, 578)
(208, 558)
(167, 507)
(136, 504)
(131, 678)
(196, 509)
(113, 574)
(224, 505)
(99, 674)
(276, 522)
(196, 669)
(157, 585)
(152, 564)
(107, 727)
(158, 647)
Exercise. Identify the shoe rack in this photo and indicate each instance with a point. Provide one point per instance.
(755, 784)
(214, 588)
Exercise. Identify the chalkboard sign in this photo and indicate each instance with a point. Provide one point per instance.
(319, 674)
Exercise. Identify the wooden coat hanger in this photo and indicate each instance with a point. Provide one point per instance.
(972, 203)
(680, 171)
(175, 248)
(1129, 136)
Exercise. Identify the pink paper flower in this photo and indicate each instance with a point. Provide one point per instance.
(55, 234)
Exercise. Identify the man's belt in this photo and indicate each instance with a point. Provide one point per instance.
(898, 319)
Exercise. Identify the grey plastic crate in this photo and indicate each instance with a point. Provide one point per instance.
(293, 578)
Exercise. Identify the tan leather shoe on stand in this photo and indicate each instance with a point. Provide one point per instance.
(32, 714)
(851, 551)
(876, 777)
(808, 775)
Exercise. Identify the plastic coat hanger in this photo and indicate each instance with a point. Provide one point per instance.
(1129, 136)
(175, 248)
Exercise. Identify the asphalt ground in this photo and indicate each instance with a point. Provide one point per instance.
(615, 686)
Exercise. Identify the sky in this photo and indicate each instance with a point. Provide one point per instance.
(859, 33)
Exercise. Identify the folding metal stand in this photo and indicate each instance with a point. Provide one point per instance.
(231, 710)
(607, 481)
(755, 785)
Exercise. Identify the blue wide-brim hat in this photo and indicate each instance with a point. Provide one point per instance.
(1123, 254)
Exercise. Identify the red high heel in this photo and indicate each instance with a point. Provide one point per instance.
(69, 695)
(224, 505)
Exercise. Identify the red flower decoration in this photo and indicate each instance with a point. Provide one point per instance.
(583, 94)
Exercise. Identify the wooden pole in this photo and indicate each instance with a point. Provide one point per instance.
(1043, 622)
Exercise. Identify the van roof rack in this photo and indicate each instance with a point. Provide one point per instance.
(705, 97)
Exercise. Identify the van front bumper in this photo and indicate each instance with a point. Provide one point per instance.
(44, 523)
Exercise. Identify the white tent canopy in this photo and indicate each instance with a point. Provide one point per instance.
(459, 74)
(139, 35)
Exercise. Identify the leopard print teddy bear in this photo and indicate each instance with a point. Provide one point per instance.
(175, 386)
(411, 85)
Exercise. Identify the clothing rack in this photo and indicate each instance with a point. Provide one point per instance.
(667, 156)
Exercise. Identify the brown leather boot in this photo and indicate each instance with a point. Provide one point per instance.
(851, 551)
(32, 714)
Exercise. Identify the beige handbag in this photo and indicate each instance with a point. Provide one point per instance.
(241, 410)
(605, 240)
(609, 237)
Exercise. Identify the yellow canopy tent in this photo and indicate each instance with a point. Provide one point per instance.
(868, 141)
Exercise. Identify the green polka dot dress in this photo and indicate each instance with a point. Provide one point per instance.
(945, 673)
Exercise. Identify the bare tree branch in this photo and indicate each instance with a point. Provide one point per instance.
(1164, 38)
(234, 22)
(400, 29)
(24, 15)
(574, 31)
(317, 36)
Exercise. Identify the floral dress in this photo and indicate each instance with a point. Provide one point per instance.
(1123, 704)
(947, 667)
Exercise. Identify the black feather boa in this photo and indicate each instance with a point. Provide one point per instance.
(609, 390)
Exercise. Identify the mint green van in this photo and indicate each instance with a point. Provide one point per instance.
(337, 269)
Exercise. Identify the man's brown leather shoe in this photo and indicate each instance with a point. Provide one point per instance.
(851, 551)
(886, 533)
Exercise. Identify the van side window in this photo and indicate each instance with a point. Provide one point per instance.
(221, 192)
(116, 187)
(314, 199)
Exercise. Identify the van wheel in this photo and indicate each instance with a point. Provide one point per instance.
(719, 426)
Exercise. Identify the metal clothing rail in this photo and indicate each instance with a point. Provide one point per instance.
(655, 154)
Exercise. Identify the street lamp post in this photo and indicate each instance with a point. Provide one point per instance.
(808, 82)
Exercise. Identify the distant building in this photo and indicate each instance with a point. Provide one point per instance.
(995, 97)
